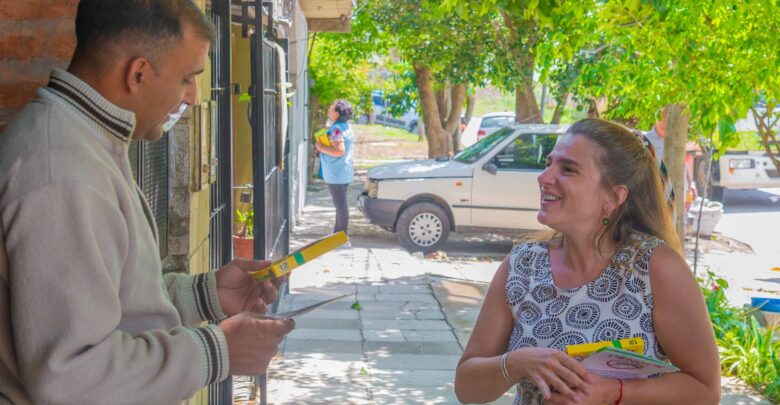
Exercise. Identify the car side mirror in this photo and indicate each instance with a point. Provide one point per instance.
(490, 168)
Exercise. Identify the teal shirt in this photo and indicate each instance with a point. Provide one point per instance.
(339, 170)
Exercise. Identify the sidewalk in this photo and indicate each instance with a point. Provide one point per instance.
(403, 345)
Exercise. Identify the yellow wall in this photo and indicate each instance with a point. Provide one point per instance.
(242, 130)
(200, 206)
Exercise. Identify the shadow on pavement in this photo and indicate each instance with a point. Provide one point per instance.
(746, 201)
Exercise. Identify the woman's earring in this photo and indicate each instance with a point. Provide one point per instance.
(605, 221)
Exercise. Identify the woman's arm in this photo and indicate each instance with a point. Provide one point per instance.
(479, 379)
(683, 328)
(336, 148)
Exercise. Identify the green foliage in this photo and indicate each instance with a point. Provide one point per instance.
(457, 49)
(339, 74)
(747, 349)
(246, 222)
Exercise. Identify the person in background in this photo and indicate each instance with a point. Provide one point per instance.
(336, 160)
(656, 136)
(610, 269)
(86, 315)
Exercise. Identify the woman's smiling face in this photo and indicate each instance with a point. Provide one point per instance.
(573, 198)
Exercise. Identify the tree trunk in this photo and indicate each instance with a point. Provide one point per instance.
(677, 119)
(471, 101)
(438, 130)
(765, 123)
(443, 102)
(593, 111)
(316, 123)
(526, 109)
(457, 94)
(557, 114)
(560, 105)
(524, 39)
(437, 137)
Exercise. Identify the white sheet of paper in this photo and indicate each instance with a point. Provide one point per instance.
(305, 310)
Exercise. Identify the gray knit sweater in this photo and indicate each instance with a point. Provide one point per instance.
(86, 315)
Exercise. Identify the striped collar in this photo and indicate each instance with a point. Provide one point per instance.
(117, 122)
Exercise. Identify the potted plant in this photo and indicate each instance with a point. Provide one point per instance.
(243, 241)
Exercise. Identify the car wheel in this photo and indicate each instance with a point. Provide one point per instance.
(704, 183)
(423, 226)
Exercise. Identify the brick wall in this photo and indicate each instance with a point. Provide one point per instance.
(35, 36)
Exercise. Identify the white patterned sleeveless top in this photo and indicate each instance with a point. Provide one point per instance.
(618, 304)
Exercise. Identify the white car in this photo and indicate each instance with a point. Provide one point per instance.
(736, 171)
(491, 184)
(480, 127)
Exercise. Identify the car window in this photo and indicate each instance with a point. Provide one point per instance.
(482, 147)
(500, 121)
(527, 151)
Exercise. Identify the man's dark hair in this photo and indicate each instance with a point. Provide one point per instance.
(344, 109)
(149, 27)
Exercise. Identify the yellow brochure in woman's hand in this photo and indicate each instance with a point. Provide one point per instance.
(612, 362)
(322, 136)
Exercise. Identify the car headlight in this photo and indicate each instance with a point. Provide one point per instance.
(371, 187)
(741, 164)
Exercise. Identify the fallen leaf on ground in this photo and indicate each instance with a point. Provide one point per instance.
(437, 255)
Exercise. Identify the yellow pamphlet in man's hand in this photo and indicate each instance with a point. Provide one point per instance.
(303, 255)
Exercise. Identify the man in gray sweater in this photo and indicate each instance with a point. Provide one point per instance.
(86, 315)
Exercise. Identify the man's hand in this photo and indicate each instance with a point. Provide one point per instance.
(239, 292)
(252, 341)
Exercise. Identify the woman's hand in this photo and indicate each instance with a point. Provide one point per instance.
(551, 369)
(601, 391)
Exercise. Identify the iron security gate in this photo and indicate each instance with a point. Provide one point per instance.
(149, 162)
(269, 180)
(220, 226)
(269, 150)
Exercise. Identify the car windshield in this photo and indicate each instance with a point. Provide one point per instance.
(479, 149)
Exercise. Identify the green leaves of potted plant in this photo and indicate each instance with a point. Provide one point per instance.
(243, 241)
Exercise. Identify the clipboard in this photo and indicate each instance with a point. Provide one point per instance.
(303, 255)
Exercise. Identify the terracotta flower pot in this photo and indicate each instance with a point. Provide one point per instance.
(243, 247)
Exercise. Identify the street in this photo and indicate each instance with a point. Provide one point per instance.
(751, 217)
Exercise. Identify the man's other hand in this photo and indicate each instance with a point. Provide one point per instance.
(239, 292)
(252, 341)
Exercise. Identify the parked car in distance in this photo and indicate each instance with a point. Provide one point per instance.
(479, 127)
(736, 169)
(383, 116)
(490, 185)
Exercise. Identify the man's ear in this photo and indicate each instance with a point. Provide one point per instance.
(139, 71)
